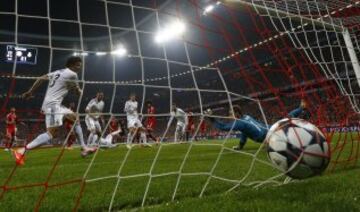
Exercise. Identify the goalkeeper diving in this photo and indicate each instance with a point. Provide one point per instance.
(250, 127)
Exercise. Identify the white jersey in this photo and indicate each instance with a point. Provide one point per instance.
(60, 82)
(180, 116)
(131, 110)
(95, 107)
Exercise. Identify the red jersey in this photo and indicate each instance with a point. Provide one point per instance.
(190, 125)
(151, 111)
(203, 127)
(11, 117)
(114, 125)
(151, 120)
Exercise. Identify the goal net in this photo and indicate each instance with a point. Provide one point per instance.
(258, 55)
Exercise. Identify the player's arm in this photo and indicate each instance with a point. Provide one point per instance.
(73, 84)
(89, 105)
(39, 81)
(224, 126)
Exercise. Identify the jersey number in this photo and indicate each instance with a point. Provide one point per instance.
(53, 80)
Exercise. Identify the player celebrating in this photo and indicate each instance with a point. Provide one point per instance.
(11, 121)
(151, 120)
(94, 107)
(60, 83)
(133, 123)
(250, 127)
(182, 122)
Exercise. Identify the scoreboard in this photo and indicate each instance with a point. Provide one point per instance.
(21, 55)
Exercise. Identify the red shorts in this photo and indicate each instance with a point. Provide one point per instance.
(11, 132)
(150, 125)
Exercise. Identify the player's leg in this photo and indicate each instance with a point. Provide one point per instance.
(8, 139)
(53, 121)
(149, 129)
(72, 117)
(91, 128)
(97, 132)
(183, 132)
(177, 132)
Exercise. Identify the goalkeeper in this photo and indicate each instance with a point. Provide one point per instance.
(250, 127)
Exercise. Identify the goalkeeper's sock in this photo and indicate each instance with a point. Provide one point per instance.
(79, 135)
(42, 139)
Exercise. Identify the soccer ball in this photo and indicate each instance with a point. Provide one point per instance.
(298, 148)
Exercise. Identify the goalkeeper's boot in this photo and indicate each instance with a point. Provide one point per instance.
(238, 148)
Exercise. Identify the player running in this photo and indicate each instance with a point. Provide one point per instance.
(11, 129)
(150, 120)
(182, 122)
(60, 83)
(93, 110)
(133, 123)
(250, 127)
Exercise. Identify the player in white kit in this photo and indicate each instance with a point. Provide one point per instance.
(60, 83)
(107, 142)
(182, 122)
(133, 123)
(94, 108)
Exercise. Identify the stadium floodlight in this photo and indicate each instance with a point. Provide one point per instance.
(100, 53)
(208, 9)
(76, 54)
(121, 51)
(84, 54)
(172, 31)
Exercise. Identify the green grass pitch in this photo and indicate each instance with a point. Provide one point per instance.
(338, 191)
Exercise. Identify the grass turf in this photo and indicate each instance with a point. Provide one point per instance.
(332, 192)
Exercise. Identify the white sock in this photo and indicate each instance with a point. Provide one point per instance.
(79, 134)
(143, 137)
(176, 135)
(42, 139)
(129, 138)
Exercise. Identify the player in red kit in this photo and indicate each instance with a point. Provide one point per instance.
(191, 126)
(203, 128)
(151, 120)
(11, 121)
(114, 125)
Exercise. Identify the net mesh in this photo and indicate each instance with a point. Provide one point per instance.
(260, 55)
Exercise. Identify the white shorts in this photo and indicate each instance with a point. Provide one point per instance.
(54, 115)
(92, 124)
(180, 126)
(134, 123)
